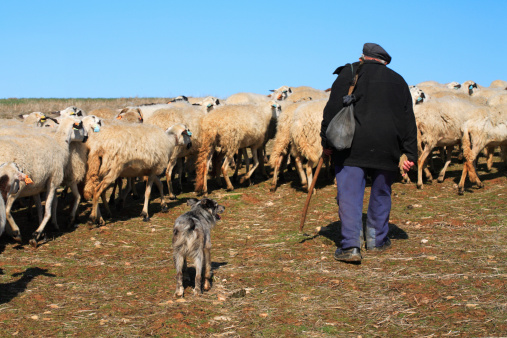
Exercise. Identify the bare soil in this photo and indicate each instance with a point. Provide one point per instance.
(445, 274)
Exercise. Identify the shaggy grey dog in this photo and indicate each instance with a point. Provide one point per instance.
(192, 238)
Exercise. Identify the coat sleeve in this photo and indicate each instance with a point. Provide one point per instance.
(335, 104)
(409, 131)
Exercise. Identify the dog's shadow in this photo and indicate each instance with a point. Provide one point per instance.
(332, 231)
(189, 274)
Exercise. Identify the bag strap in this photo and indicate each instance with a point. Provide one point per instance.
(354, 82)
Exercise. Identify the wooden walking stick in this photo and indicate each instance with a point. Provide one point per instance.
(310, 191)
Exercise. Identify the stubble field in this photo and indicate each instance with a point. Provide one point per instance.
(445, 274)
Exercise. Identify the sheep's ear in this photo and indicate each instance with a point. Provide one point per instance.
(272, 90)
(123, 111)
(192, 201)
(290, 90)
(217, 102)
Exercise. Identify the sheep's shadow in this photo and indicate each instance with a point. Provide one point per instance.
(332, 231)
(28, 224)
(189, 274)
(9, 291)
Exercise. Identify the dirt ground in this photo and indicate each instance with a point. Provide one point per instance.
(445, 274)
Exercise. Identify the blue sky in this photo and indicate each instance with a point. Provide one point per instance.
(148, 48)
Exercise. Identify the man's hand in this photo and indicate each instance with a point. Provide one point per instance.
(328, 152)
(406, 166)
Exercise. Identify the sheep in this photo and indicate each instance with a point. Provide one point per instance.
(439, 124)
(233, 127)
(304, 92)
(189, 115)
(498, 84)
(281, 93)
(10, 175)
(34, 119)
(305, 137)
(42, 157)
(105, 113)
(247, 98)
(130, 150)
(478, 133)
(499, 99)
(72, 111)
(10, 122)
(75, 168)
(281, 143)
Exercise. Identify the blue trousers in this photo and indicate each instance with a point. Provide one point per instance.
(351, 182)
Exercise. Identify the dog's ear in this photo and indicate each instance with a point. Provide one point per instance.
(192, 201)
(208, 203)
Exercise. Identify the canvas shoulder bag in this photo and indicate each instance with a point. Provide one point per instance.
(340, 131)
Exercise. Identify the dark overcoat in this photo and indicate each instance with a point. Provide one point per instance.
(385, 123)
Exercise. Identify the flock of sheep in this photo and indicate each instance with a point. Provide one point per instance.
(90, 152)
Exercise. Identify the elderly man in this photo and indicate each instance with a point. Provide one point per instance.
(385, 128)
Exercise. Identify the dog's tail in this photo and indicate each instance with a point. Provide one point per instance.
(209, 141)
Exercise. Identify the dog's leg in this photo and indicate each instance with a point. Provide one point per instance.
(207, 267)
(179, 263)
(198, 263)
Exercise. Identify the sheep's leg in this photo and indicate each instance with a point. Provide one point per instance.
(14, 230)
(421, 162)
(261, 154)
(38, 206)
(99, 190)
(225, 169)
(503, 154)
(302, 175)
(278, 163)
(237, 163)
(490, 151)
(198, 262)
(123, 194)
(168, 175)
(49, 202)
(160, 187)
(77, 200)
(179, 171)
(205, 174)
(244, 152)
(254, 166)
(461, 184)
(54, 221)
(448, 153)
(147, 194)
(218, 163)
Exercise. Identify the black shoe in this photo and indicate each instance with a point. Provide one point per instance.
(383, 247)
(348, 255)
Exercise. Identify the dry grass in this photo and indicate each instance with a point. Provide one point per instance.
(119, 280)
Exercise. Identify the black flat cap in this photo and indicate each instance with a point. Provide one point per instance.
(375, 51)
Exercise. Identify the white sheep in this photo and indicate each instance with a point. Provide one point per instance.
(231, 128)
(439, 123)
(305, 93)
(281, 143)
(190, 116)
(75, 168)
(305, 138)
(247, 98)
(478, 133)
(10, 175)
(72, 111)
(130, 150)
(42, 157)
(498, 84)
(281, 93)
